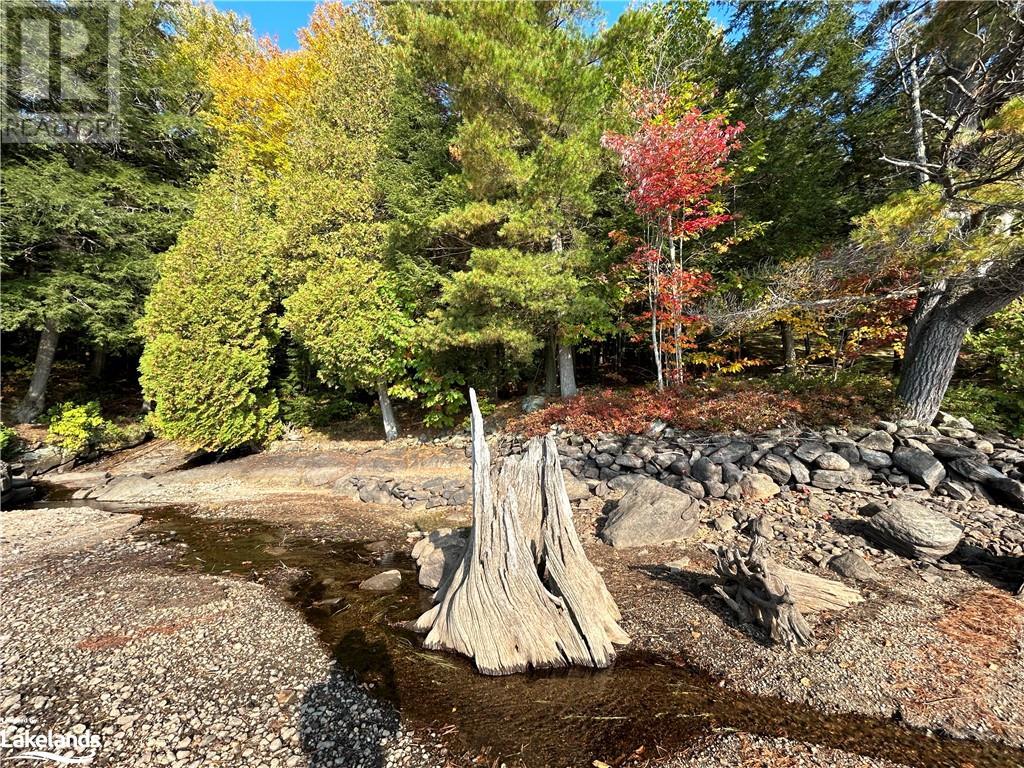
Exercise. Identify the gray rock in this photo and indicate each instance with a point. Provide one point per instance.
(650, 513)
(383, 582)
(875, 459)
(888, 426)
(853, 566)
(629, 461)
(731, 453)
(828, 479)
(533, 403)
(730, 474)
(800, 472)
(809, 450)
(680, 467)
(921, 466)
(756, 486)
(911, 529)
(847, 451)
(955, 490)
(776, 467)
(832, 461)
(879, 440)
(706, 471)
(375, 493)
(577, 489)
(604, 459)
(608, 446)
(714, 489)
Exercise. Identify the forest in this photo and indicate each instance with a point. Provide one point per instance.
(512, 383)
(816, 213)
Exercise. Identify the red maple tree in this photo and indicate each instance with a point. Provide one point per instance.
(671, 167)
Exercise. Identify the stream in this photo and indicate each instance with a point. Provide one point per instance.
(642, 708)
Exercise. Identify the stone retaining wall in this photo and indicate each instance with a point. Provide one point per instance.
(950, 459)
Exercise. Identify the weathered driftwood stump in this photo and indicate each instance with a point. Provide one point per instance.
(752, 588)
(524, 594)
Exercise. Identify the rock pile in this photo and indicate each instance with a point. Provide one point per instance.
(950, 459)
(436, 492)
(15, 485)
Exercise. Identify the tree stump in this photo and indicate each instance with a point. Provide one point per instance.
(524, 594)
(754, 590)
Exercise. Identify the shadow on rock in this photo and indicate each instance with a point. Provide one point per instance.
(344, 719)
(1001, 571)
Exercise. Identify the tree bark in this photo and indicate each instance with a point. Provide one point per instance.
(34, 401)
(937, 332)
(788, 348)
(566, 371)
(917, 121)
(550, 367)
(388, 415)
(98, 361)
(523, 596)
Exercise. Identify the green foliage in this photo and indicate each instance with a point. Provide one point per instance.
(209, 328)
(75, 427)
(988, 408)
(1001, 343)
(82, 222)
(347, 318)
(10, 443)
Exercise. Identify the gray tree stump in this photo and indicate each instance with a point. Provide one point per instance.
(524, 594)
(751, 587)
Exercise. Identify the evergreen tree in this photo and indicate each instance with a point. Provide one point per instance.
(82, 222)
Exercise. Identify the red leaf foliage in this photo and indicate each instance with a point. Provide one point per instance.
(738, 405)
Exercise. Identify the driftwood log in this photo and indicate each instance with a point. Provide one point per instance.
(753, 589)
(814, 594)
(524, 594)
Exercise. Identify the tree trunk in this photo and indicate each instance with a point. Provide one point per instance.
(390, 425)
(937, 332)
(34, 401)
(524, 594)
(788, 348)
(98, 361)
(550, 367)
(929, 365)
(566, 371)
(917, 121)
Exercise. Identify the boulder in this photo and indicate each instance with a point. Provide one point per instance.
(853, 566)
(809, 450)
(879, 440)
(912, 529)
(706, 471)
(832, 461)
(776, 467)
(577, 489)
(800, 472)
(874, 458)
(828, 479)
(650, 513)
(383, 582)
(629, 461)
(1003, 487)
(756, 486)
(680, 467)
(731, 453)
(375, 493)
(921, 466)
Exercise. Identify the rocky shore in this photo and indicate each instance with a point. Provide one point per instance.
(937, 640)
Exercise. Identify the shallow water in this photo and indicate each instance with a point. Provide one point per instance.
(643, 707)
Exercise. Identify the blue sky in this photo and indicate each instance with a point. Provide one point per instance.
(281, 19)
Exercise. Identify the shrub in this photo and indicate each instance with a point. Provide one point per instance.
(987, 408)
(76, 427)
(9, 442)
(209, 327)
(716, 405)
